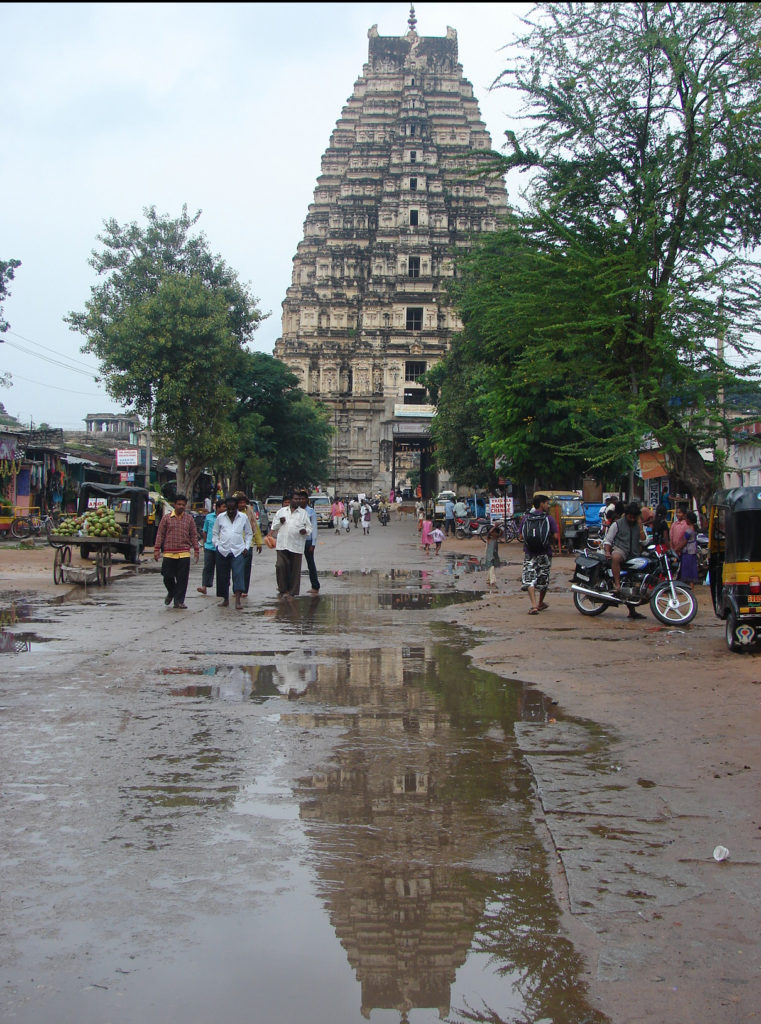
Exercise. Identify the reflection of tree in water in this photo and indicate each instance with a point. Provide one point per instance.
(425, 789)
(519, 932)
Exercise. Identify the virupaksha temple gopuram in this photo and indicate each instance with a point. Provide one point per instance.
(367, 312)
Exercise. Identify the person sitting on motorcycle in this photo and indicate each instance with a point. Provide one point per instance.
(622, 542)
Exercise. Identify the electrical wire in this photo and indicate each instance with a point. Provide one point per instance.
(39, 344)
(47, 359)
(39, 383)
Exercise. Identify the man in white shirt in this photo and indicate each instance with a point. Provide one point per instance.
(311, 542)
(291, 524)
(231, 537)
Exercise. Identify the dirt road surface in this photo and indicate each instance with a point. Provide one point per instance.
(646, 758)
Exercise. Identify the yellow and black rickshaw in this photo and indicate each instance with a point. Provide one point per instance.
(734, 564)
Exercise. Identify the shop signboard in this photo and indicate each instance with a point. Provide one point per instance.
(126, 457)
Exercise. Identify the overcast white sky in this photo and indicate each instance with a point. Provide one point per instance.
(108, 108)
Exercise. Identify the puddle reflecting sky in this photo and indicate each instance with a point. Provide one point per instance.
(337, 827)
(418, 829)
(14, 639)
(421, 837)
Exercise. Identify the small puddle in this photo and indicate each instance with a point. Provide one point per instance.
(14, 640)
(20, 643)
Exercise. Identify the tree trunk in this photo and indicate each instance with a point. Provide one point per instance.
(187, 475)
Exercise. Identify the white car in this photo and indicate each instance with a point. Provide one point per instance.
(321, 504)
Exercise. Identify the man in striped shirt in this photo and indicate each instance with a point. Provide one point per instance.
(176, 535)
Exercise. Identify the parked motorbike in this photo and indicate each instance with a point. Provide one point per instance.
(470, 526)
(646, 579)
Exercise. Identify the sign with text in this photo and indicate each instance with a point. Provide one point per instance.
(500, 508)
(126, 457)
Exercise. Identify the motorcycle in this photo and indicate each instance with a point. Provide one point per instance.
(646, 579)
(383, 516)
(471, 526)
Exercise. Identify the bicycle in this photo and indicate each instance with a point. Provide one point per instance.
(24, 526)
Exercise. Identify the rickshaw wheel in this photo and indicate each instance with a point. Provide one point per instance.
(729, 632)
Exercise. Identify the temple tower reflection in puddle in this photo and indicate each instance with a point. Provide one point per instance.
(398, 818)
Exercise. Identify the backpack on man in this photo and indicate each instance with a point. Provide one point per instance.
(536, 532)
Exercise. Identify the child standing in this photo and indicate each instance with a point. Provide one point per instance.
(437, 536)
(425, 533)
(688, 565)
(492, 553)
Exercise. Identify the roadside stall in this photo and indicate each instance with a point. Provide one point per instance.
(110, 520)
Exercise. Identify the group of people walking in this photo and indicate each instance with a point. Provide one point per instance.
(353, 510)
(230, 533)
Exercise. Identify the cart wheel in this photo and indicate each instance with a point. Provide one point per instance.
(57, 563)
(20, 528)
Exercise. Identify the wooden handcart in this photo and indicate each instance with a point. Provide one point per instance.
(65, 572)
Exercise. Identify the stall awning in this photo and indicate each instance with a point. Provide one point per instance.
(653, 464)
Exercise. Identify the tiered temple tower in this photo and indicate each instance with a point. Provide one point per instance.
(366, 313)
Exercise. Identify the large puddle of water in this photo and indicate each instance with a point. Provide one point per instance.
(310, 834)
(417, 831)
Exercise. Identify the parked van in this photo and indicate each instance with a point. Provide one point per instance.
(273, 503)
(321, 504)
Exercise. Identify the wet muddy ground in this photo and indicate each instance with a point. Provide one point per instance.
(322, 809)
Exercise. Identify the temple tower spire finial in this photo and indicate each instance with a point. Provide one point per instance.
(412, 20)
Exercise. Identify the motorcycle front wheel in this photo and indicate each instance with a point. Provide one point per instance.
(587, 605)
(674, 611)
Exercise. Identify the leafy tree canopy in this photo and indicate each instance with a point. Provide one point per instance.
(168, 323)
(7, 273)
(283, 437)
(620, 301)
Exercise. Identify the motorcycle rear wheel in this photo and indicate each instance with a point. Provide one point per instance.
(587, 605)
(669, 614)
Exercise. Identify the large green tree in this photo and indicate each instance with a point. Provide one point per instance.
(623, 295)
(168, 323)
(282, 436)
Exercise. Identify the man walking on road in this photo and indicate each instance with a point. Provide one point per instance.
(537, 529)
(209, 551)
(311, 542)
(291, 524)
(449, 517)
(248, 555)
(176, 535)
(232, 538)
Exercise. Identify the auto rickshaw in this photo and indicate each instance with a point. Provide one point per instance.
(568, 512)
(734, 563)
